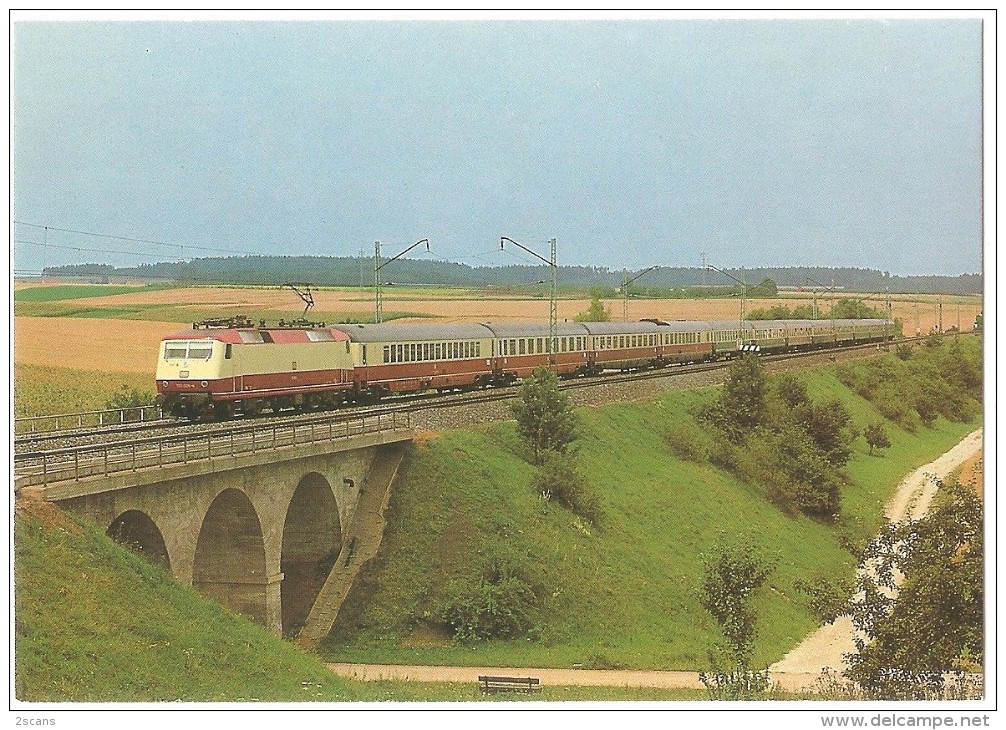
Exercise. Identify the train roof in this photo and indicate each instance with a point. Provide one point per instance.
(506, 330)
(255, 335)
(622, 328)
(413, 332)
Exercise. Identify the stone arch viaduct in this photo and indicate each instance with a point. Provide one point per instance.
(275, 536)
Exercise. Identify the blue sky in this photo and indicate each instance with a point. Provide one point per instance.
(758, 143)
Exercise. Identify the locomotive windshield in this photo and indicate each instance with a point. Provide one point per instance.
(188, 350)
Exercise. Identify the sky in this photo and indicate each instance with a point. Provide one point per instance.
(810, 142)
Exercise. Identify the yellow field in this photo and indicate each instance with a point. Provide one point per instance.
(98, 345)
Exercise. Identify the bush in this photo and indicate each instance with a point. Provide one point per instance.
(126, 397)
(559, 479)
(500, 604)
(876, 436)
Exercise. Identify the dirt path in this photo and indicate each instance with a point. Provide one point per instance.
(797, 670)
(827, 646)
(562, 677)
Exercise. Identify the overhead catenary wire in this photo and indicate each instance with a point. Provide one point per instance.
(136, 240)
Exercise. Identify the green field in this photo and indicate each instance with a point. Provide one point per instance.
(58, 292)
(186, 313)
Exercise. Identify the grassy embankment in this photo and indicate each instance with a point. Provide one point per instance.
(94, 623)
(624, 593)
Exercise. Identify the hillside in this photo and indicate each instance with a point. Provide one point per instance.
(94, 623)
(624, 593)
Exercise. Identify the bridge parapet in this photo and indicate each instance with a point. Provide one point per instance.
(84, 470)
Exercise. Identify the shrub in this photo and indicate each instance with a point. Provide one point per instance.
(500, 604)
(559, 479)
(876, 436)
(545, 417)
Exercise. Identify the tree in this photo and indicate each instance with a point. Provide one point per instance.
(595, 313)
(742, 403)
(545, 417)
(730, 579)
(828, 424)
(876, 436)
(932, 625)
(767, 288)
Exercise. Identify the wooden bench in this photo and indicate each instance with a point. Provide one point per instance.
(492, 685)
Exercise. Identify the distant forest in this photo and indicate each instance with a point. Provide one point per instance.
(354, 271)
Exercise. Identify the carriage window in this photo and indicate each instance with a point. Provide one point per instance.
(387, 353)
(478, 349)
(521, 343)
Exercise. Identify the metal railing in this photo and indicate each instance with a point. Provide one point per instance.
(67, 421)
(75, 464)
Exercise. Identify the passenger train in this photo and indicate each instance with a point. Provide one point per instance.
(220, 368)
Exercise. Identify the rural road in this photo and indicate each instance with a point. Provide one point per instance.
(797, 670)
(826, 646)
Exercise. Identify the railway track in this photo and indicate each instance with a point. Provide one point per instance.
(39, 443)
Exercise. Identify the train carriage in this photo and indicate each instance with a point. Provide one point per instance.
(624, 345)
(519, 348)
(222, 367)
(406, 357)
(683, 341)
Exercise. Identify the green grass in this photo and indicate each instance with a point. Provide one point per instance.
(188, 313)
(623, 594)
(94, 623)
(78, 291)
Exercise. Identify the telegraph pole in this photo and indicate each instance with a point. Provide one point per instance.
(377, 282)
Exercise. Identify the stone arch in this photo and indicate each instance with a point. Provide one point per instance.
(230, 565)
(138, 532)
(312, 539)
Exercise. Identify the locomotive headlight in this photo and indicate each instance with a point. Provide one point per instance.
(203, 383)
